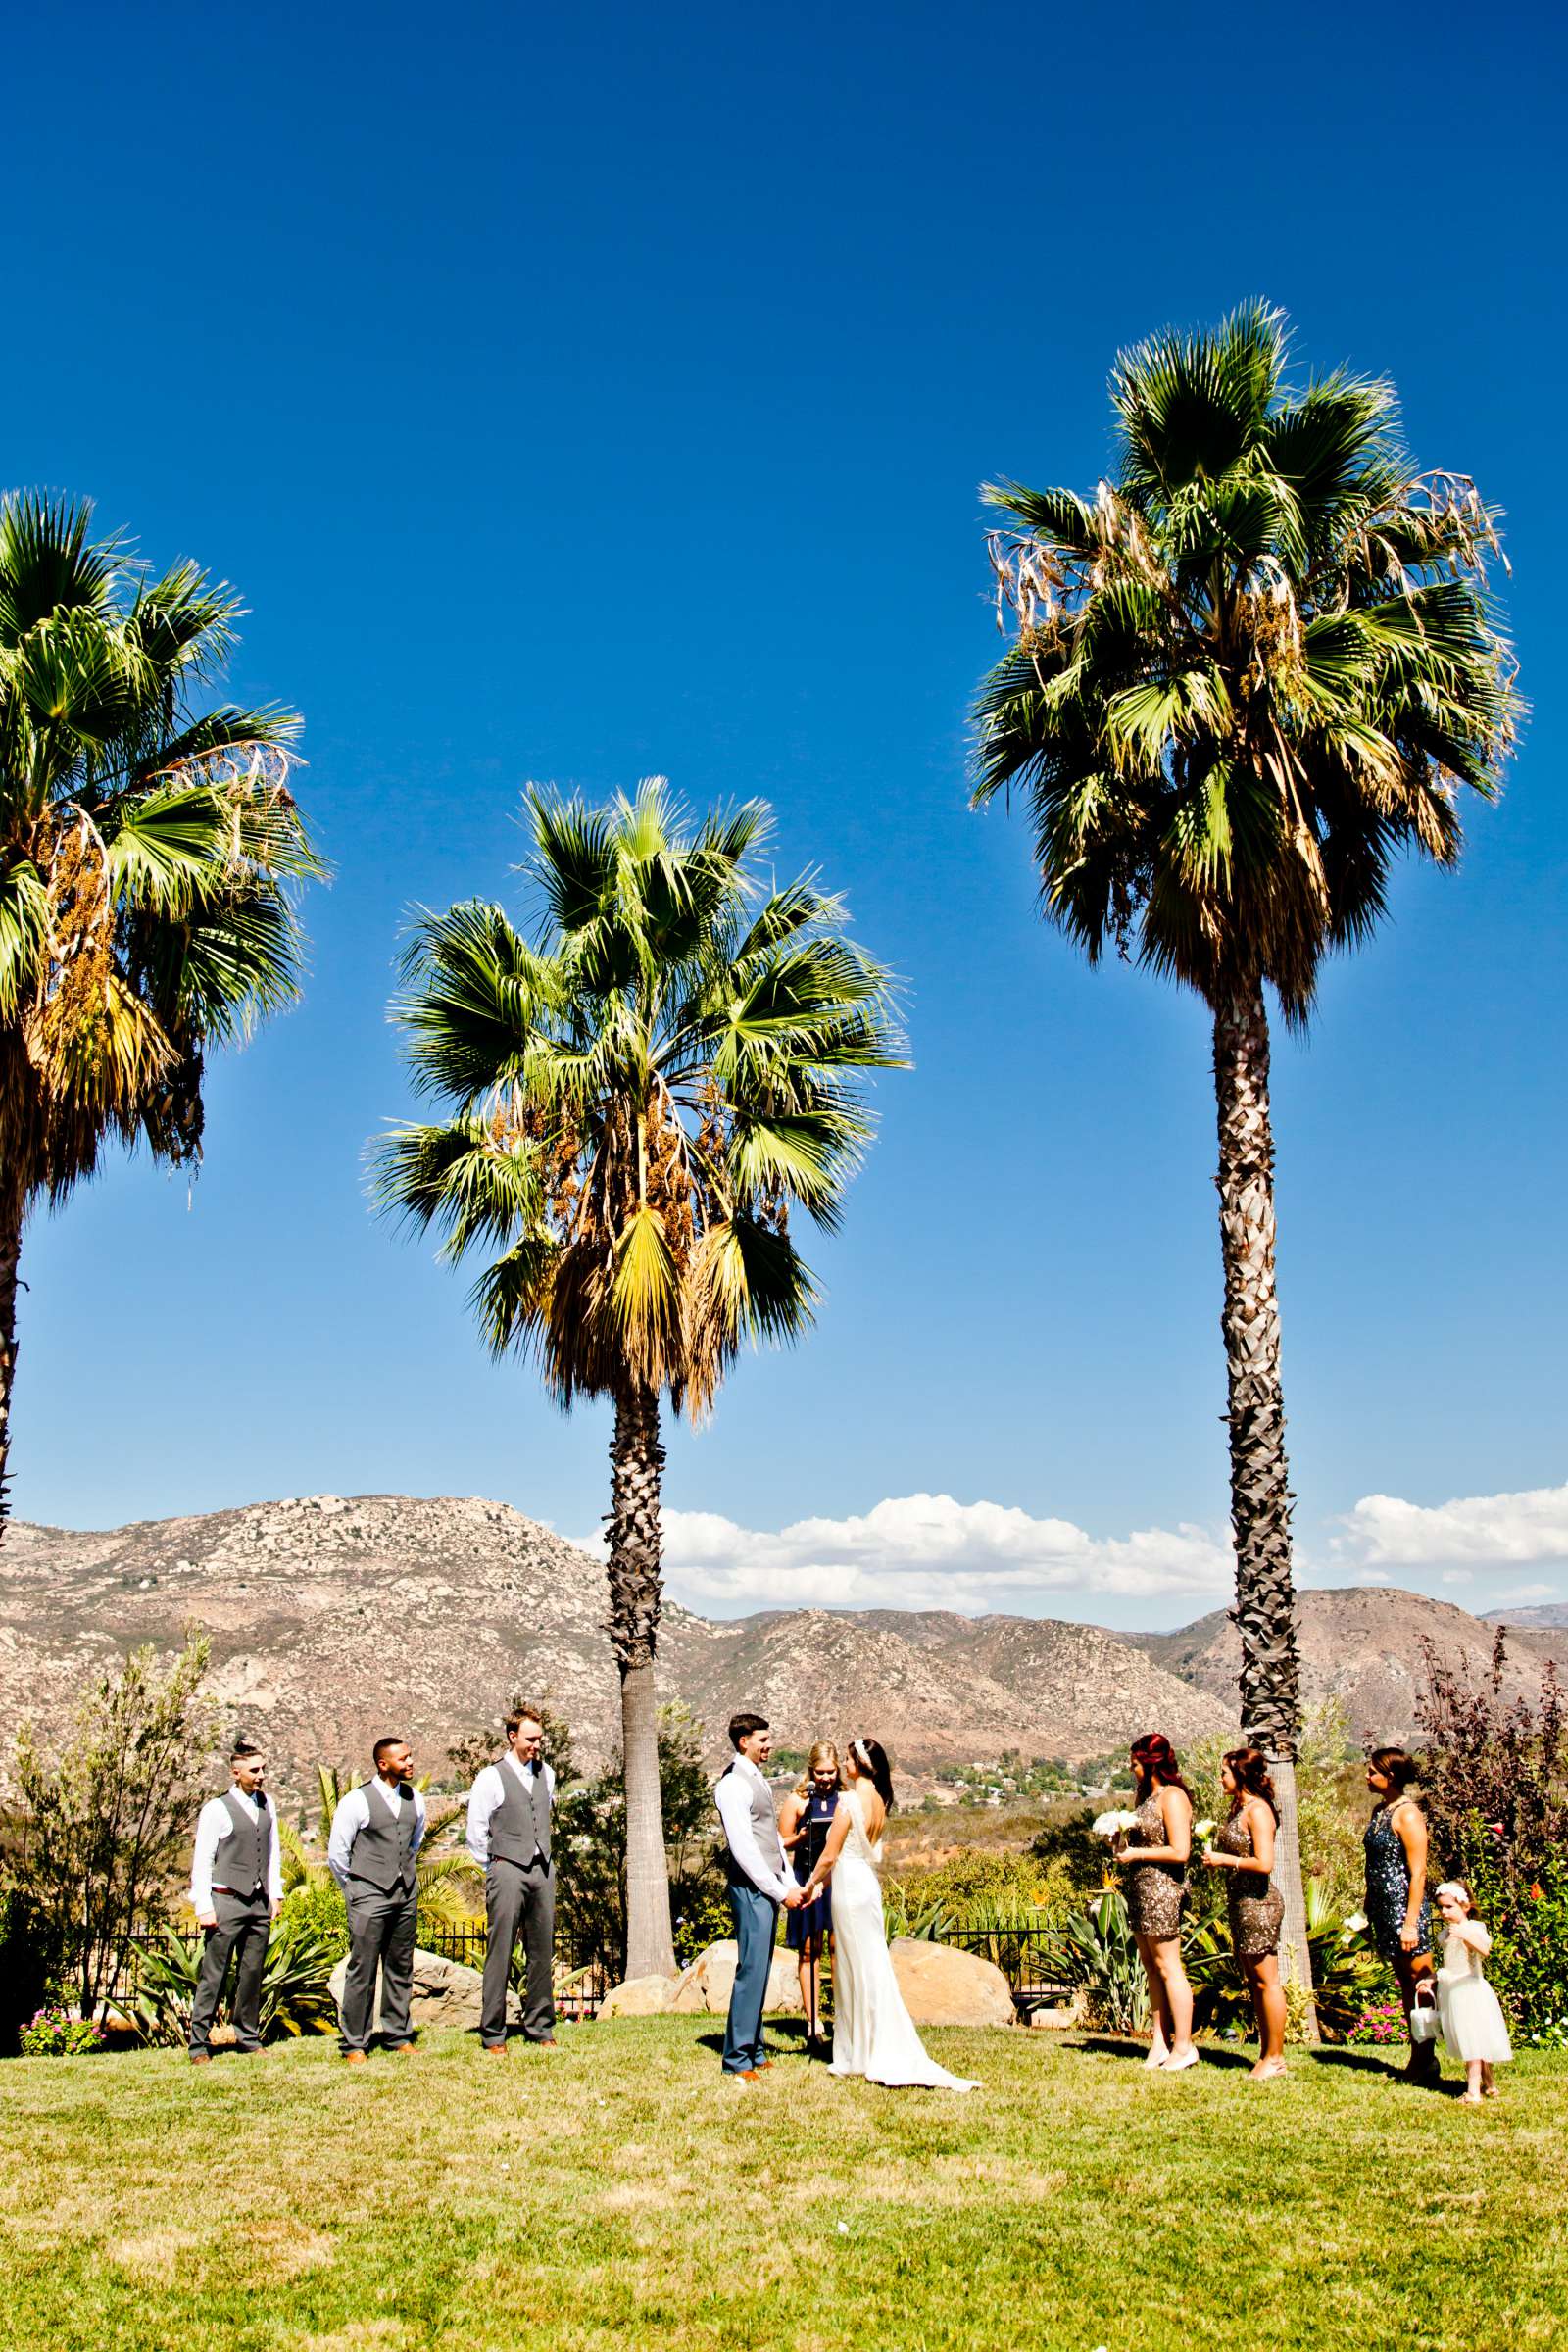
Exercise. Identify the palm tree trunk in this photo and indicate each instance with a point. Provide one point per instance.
(12, 1204)
(1260, 1493)
(637, 1461)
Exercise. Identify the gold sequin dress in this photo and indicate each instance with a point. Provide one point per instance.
(1256, 1905)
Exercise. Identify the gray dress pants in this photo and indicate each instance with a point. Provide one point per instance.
(517, 1898)
(241, 1934)
(381, 1929)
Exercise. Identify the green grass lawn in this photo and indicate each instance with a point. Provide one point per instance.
(616, 2191)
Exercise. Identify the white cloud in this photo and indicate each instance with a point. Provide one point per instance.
(928, 1551)
(1485, 1529)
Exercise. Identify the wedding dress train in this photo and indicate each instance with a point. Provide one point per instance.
(873, 2033)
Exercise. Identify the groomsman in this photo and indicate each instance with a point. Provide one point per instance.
(377, 1834)
(236, 1890)
(509, 1837)
(759, 1881)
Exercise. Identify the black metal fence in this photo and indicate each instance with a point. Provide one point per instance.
(1024, 1955)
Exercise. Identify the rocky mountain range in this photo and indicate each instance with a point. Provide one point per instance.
(334, 1619)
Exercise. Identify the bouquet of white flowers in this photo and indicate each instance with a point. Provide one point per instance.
(1203, 1831)
(1110, 1825)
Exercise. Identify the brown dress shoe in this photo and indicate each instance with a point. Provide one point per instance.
(354, 2058)
(399, 2049)
(201, 2057)
(494, 2049)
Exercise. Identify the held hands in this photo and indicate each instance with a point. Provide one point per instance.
(794, 1898)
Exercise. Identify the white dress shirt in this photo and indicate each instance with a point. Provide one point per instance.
(733, 1797)
(213, 1824)
(488, 1795)
(353, 1814)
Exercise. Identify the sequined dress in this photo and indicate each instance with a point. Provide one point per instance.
(1256, 1905)
(1388, 1888)
(1155, 1890)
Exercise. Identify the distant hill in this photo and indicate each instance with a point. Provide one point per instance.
(1362, 1644)
(1551, 1612)
(333, 1620)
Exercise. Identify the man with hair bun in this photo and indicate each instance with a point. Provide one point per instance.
(236, 1891)
(373, 1852)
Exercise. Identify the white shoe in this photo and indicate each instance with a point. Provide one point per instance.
(1178, 2066)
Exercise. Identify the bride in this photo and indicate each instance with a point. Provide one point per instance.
(873, 2033)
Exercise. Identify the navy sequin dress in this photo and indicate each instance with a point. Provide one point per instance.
(815, 1918)
(1388, 1888)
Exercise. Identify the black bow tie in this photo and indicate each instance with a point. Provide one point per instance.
(404, 1791)
(259, 1799)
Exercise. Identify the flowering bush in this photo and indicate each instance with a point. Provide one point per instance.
(1552, 2036)
(54, 2034)
(1380, 2027)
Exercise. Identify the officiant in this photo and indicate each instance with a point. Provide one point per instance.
(373, 1851)
(509, 1835)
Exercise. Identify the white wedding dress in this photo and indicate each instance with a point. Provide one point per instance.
(873, 2033)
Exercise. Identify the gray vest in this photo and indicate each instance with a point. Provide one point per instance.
(519, 1826)
(382, 1852)
(243, 1856)
(764, 1822)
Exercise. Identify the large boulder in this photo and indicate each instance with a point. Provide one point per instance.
(708, 1984)
(445, 1992)
(944, 1986)
(638, 1996)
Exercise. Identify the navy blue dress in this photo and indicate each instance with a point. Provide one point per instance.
(815, 1918)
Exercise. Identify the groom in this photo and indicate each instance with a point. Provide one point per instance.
(758, 1882)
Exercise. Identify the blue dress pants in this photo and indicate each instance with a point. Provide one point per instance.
(756, 1921)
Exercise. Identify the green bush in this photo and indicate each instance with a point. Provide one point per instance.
(979, 1883)
(320, 1911)
(1528, 1922)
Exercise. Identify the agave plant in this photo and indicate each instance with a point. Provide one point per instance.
(1096, 1952)
(295, 1994)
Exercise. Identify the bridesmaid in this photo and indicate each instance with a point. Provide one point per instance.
(1398, 1908)
(1244, 1846)
(1156, 1888)
(802, 1825)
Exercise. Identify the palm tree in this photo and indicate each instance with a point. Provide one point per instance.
(1241, 677)
(146, 849)
(633, 1104)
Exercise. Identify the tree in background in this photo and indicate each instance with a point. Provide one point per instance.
(103, 1823)
(147, 845)
(1243, 676)
(634, 1104)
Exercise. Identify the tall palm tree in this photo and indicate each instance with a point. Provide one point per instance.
(147, 845)
(633, 1104)
(1242, 676)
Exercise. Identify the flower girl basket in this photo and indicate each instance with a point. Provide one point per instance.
(1424, 2014)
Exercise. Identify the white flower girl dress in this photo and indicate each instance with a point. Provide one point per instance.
(1468, 2010)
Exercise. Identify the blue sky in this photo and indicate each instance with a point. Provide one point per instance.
(581, 400)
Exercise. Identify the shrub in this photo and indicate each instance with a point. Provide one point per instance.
(55, 2034)
(979, 1883)
(1496, 1782)
(1379, 2026)
(320, 1910)
(104, 1819)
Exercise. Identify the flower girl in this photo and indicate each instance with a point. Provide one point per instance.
(1468, 2010)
